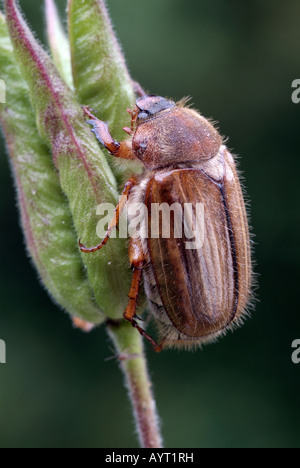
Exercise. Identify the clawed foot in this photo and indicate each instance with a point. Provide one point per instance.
(88, 112)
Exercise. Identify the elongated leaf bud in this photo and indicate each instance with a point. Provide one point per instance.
(101, 78)
(45, 214)
(58, 42)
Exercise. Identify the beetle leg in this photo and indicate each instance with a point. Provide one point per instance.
(137, 260)
(121, 149)
(82, 324)
(115, 221)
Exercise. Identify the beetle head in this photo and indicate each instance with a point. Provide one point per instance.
(152, 105)
(148, 107)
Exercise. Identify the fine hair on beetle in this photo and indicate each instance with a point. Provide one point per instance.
(194, 295)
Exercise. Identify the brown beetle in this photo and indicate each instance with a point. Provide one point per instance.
(195, 294)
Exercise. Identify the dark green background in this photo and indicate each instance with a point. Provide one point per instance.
(237, 60)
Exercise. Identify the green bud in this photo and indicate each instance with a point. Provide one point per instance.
(45, 214)
(101, 77)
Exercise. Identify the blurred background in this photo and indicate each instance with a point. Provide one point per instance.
(237, 60)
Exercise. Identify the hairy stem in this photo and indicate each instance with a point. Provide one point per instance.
(129, 347)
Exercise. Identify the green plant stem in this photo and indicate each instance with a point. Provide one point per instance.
(129, 346)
